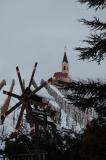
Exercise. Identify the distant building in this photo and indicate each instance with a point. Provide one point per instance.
(64, 74)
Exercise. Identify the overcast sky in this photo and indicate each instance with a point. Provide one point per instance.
(38, 30)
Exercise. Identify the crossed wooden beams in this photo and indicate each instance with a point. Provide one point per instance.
(26, 99)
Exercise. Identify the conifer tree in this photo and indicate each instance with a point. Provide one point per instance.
(95, 91)
(91, 94)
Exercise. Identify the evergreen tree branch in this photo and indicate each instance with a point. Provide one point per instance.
(94, 24)
(86, 94)
(84, 103)
(97, 49)
(94, 3)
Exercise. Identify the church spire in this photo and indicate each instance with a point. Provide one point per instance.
(65, 57)
(65, 64)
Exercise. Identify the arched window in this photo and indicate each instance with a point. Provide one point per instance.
(64, 68)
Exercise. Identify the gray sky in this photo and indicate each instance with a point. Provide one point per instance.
(38, 30)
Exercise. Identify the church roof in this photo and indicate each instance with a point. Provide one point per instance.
(60, 75)
(65, 58)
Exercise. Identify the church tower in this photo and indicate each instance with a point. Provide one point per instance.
(65, 64)
(64, 74)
